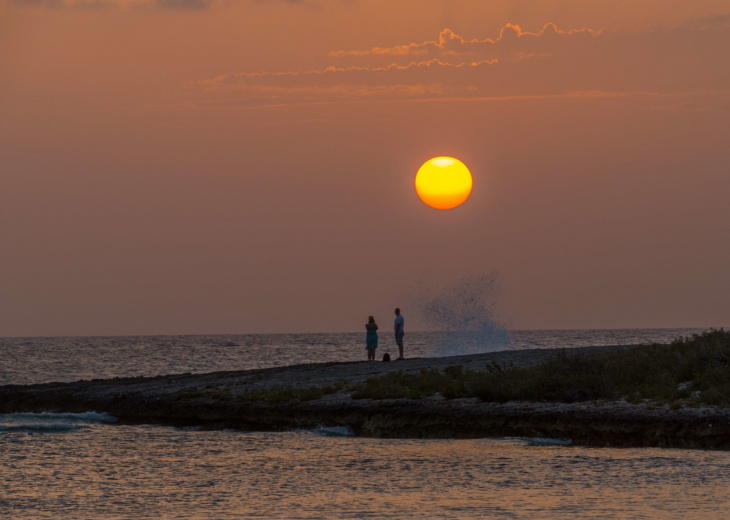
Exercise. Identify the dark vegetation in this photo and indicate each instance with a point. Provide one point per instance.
(276, 395)
(288, 393)
(689, 371)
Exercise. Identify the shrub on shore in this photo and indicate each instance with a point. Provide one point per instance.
(690, 370)
(274, 395)
(289, 393)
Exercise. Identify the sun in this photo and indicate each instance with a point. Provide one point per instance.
(443, 182)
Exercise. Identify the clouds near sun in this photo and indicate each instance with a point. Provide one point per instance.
(511, 39)
(270, 148)
(551, 62)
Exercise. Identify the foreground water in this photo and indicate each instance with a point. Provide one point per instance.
(79, 466)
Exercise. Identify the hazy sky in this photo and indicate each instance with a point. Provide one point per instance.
(236, 166)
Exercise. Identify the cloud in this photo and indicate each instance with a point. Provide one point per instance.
(341, 76)
(185, 5)
(80, 5)
(511, 40)
(179, 5)
(516, 64)
(339, 84)
(715, 20)
(169, 5)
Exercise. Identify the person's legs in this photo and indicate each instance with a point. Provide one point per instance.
(399, 342)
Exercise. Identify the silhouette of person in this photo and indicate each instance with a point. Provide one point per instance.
(371, 338)
(399, 332)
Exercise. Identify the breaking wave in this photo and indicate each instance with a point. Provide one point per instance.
(464, 313)
(542, 441)
(52, 422)
(329, 431)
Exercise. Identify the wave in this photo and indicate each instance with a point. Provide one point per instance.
(329, 431)
(52, 422)
(542, 441)
(335, 431)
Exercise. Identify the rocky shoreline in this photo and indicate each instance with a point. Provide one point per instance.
(214, 401)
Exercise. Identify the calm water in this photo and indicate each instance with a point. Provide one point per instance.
(42, 360)
(78, 466)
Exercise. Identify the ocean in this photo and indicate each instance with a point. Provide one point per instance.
(59, 466)
(64, 359)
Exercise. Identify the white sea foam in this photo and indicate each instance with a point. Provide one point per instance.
(52, 422)
(542, 441)
(334, 431)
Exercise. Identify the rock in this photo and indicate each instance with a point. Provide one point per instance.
(215, 400)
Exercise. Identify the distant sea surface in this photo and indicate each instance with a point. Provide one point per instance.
(84, 466)
(64, 359)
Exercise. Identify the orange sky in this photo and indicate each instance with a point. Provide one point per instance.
(234, 166)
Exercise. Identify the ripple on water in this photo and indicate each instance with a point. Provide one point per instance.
(40, 360)
(105, 472)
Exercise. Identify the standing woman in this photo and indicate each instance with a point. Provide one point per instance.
(372, 338)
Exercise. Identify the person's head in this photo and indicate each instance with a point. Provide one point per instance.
(371, 319)
(397, 312)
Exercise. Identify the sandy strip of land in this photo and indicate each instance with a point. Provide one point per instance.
(196, 399)
(309, 374)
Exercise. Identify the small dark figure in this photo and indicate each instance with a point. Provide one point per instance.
(371, 338)
(386, 357)
(399, 333)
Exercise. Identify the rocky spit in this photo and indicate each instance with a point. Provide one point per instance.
(211, 400)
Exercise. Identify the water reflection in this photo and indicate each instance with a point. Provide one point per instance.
(109, 472)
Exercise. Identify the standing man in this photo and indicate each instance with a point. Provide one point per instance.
(398, 326)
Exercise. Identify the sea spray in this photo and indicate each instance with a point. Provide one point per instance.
(464, 314)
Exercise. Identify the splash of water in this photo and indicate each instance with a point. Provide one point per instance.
(464, 314)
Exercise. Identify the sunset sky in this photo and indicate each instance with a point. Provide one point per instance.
(246, 166)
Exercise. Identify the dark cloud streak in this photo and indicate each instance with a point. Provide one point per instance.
(183, 5)
(164, 5)
(80, 5)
